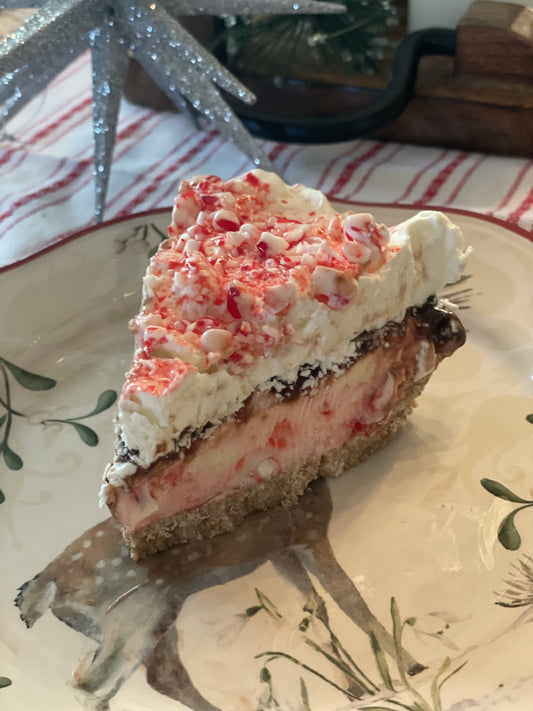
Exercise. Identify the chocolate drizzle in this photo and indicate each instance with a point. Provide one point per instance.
(440, 326)
(434, 322)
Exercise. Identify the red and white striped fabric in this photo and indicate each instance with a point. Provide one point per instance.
(46, 170)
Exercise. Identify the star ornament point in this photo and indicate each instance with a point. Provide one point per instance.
(60, 30)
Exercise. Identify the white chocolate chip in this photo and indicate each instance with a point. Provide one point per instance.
(331, 282)
(271, 244)
(251, 232)
(278, 297)
(182, 241)
(227, 200)
(237, 238)
(295, 233)
(179, 282)
(191, 246)
(217, 340)
(357, 252)
(184, 213)
(150, 281)
(267, 468)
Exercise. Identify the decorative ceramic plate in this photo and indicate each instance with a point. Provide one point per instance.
(406, 584)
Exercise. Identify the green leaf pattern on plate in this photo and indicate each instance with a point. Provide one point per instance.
(508, 534)
(38, 383)
(518, 584)
(30, 381)
(142, 235)
(382, 692)
(86, 434)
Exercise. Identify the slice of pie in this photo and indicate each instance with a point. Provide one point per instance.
(277, 341)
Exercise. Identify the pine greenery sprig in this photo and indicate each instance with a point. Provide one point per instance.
(353, 42)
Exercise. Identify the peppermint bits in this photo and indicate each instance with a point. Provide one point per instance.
(365, 241)
(225, 221)
(333, 287)
(271, 244)
(359, 227)
(231, 301)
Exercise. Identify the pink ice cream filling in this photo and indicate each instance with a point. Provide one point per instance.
(276, 435)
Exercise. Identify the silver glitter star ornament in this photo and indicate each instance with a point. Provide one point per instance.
(60, 30)
(109, 64)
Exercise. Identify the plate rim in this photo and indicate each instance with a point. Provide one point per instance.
(125, 220)
(77, 234)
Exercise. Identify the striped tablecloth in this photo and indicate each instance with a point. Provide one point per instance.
(46, 168)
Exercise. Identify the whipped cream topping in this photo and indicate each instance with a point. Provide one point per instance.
(255, 279)
(225, 288)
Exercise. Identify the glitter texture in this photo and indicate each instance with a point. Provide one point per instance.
(37, 51)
